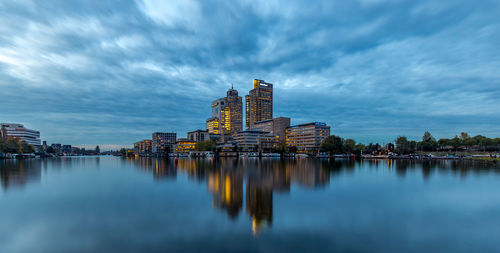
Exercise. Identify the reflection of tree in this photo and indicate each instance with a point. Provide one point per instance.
(16, 173)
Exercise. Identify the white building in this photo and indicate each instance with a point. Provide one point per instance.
(31, 137)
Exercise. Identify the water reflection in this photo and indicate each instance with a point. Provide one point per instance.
(228, 180)
(17, 173)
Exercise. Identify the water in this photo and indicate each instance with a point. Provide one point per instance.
(112, 204)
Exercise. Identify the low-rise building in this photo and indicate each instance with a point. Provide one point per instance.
(307, 137)
(276, 127)
(142, 147)
(163, 142)
(198, 135)
(14, 130)
(252, 140)
(184, 146)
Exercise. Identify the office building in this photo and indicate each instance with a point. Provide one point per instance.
(259, 103)
(163, 142)
(198, 135)
(14, 130)
(227, 114)
(184, 146)
(251, 140)
(276, 127)
(142, 147)
(307, 137)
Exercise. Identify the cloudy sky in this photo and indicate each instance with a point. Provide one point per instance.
(112, 72)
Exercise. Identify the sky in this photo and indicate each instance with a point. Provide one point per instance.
(113, 72)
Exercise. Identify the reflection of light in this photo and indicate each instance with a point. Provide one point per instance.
(255, 226)
(227, 186)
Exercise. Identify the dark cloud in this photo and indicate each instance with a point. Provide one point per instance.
(112, 72)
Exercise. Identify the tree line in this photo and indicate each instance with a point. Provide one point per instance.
(463, 142)
(15, 145)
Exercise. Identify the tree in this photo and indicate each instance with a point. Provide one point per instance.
(402, 145)
(292, 149)
(464, 136)
(12, 145)
(428, 143)
(27, 148)
(349, 145)
(207, 145)
(333, 145)
(456, 142)
(123, 151)
(50, 150)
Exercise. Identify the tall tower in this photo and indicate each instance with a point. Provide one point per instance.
(227, 115)
(259, 103)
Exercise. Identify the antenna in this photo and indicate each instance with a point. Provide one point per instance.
(232, 87)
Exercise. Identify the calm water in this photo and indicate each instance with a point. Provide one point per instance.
(112, 204)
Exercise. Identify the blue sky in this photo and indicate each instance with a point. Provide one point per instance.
(112, 72)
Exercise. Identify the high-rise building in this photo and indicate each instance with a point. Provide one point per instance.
(307, 137)
(227, 114)
(259, 103)
(13, 130)
(274, 126)
(163, 142)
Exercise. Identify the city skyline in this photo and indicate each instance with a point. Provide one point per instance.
(110, 75)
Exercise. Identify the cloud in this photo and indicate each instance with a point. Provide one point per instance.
(111, 73)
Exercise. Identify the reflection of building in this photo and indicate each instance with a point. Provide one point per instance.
(163, 142)
(276, 127)
(142, 147)
(227, 116)
(17, 173)
(162, 169)
(259, 202)
(184, 145)
(198, 135)
(251, 140)
(307, 137)
(259, 103)
(228, 191)
(13, 130)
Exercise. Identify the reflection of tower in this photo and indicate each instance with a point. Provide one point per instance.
(259, 203)
(228, 191)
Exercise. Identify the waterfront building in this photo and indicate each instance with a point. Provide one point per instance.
(307, 137)
(198, 135)
(259, 103)
(276, 127)
(163, 142)
(142, 147)
(227, 114)
(184, 146)
(251, 140)
(14, 130)
(213, 125)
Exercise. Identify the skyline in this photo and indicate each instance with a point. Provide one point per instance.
(110, 74)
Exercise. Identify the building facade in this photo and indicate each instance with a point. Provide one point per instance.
(142, 147)
(259, 103)
(227, 114)
(251, 140)
(14, 130)
(184, 146)
(198, 135)
(307, 137)
(163, 142)
(276, 127)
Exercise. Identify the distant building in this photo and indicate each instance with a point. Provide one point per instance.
(14, 130)
(198, 135)
(142, 147)
(66, 149)
(227, 114)
(307, 137)
(184, 146)
(251, 140)
(163, 142)
(276, 127)
(259, 103)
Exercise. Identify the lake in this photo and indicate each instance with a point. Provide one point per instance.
(115, 204)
